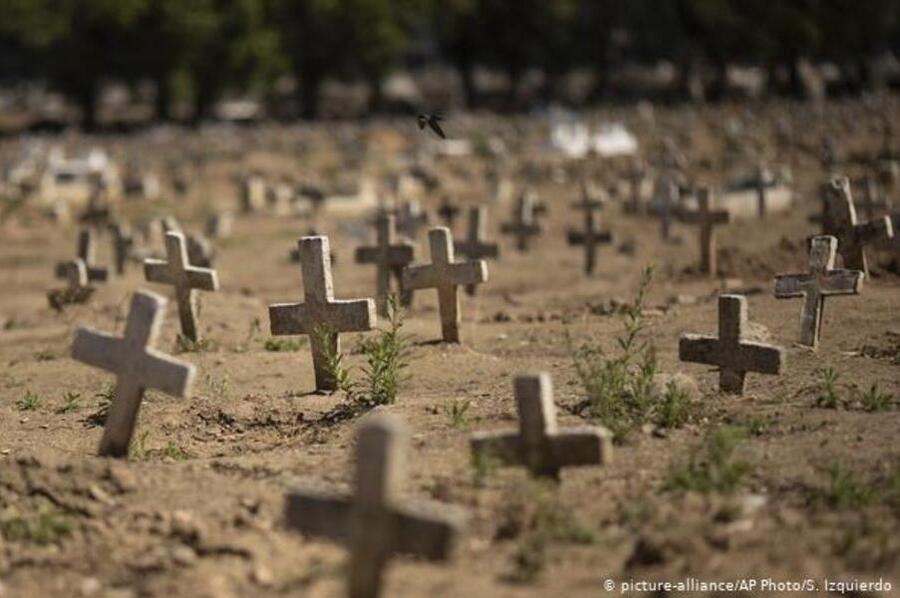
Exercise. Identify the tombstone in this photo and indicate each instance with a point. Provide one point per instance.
(220, 225)
(762, 180)
(87, 251)
(390, 255)
(448, 211)
(281, 196)
(253, 194)
(445, 274)
(475, 246)
(821, 281)
(707, 218)
(122, 245)
(137, 366)
(373, 523)
(733, 355)
(320, 309)
(538, 444)
(591, 237)
(176, 271)
(852, 236)
(524, 224)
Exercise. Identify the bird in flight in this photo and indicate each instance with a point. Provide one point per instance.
(432, 121)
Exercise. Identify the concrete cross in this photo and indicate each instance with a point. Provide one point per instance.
(591, 237)
(445, 274)
(373, 523)
(761, 180)
(475, 246)
(76, 274)
(390, 255)
(707, 219)
(852, 236)
(87, 251)
(524, 224)
(733, 355)
(821, 281)
(137, 367)
(538, 444)
(176, 271)
(321, 316)
(122, 244)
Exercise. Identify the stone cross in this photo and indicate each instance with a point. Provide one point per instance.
(821, 281)
(524, 224)
(733, 355)
(445, 274)
(122, 244)
(538, 444)
(176, 270)
(475, 246)
(76, 274)
(87, 251)
(373, 523)
(761, 180)
(448, 211)
(390, 255)
(321, 316)
(852, 236)
(591, 237)
(668, 196)
(707, 219)
(137, 366)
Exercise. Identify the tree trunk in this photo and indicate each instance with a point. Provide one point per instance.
(87, 102)
(162, 103)
(308, 86)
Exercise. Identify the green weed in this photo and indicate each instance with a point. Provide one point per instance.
(44, 355)
(711, 466)
(71, 402)
(28, 402)
(46, 526)
(457, 413)
(278, 344)
(826, 389)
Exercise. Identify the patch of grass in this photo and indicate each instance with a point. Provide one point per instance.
(278, 344)
(71, 402)
(826, 389)
(457, 413)
(137, 451)
(484, 466)
(28, 402)
(873, 399)
(845, 489)
(218, 387)
(44, 355)
(47, 525)
(711, 466)
(104, 400)
(674, 409)
(755, 425)
(184, 344)
(171, 451)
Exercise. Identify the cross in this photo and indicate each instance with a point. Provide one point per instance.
(122, 243)
(448, 211)
(707, 218)
(97, 214)
(137, 366)
(410, 218)
(389, 254)
(852, 236)
(373, 523)
(176, 270)
(321, 316)
(871, 199)
(75, 273)
(475, 245)
(445, 274)
(668, 195)
(821, 281)
(591, 237)
(763, 176)
(524, 224)
(87, 251)
(636, 180)
(538, 444)
(253, 194)
(733, 355)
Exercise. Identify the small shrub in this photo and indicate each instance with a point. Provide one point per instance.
(845, 490)
(674, 408)
(47, 526)
(277, 344)
(71, 402)
(184, 344)
(457, 413)
(873, 399)
(44, 355)
(28, 402)
(711, 466)
(826, 389)
(104, 400)
(334, 360)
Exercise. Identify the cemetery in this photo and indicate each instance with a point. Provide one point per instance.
(518, 353)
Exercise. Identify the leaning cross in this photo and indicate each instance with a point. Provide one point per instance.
(852, 236)
(707, 218)
(136, 365)
(87, 250)
(475, 246)
(591, 237)
(390, 255)
(821, 281)
(524, 225)
(373, 524)
(445, 274)
(733, 355)
(175, 270)
(321, 316)
(538, 444)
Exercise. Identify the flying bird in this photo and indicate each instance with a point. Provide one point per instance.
(432, 121)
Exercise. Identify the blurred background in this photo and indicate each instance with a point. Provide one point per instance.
(126, 63)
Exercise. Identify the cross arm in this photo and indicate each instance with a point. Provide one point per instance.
(289, 318)
(319, 514)
(98, 349)
(756, 357)
(477, 250)
(505, 446)
(843, 282)
(587, 445)
(788, 286)
(166, 374)
(205, 279)
(427, 531)
(420, 277)
(471, 272)
(397, 255)
(157, 271)
(351, 315)
(699, 348)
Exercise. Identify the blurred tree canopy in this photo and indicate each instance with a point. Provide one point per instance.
(199, 50)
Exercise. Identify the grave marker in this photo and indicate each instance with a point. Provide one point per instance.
(137, 366)
(475, 245)
(852, 236)
(320, 308)
(122, 244)
(668, 196)
(591, 237)
(390, 255)
(87, 251)
(524, 224)
(707, 219)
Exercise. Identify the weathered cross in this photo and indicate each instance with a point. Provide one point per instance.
(591, 237)
(390, 255)
(852, 236)
(667, 198)
(122, 244)
(524, 224)
(448, 211)
(87, 251)
(373, 523)
(321, 316)
(733, 355)
(761, 181)
(75, 273)
(445, 274)
(176, 270)
(136, 365)
(410, 218)
(821, 281)
(538, 444)
(707, 219)
(475, 246)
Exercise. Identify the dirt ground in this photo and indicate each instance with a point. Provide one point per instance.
(197, 511)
